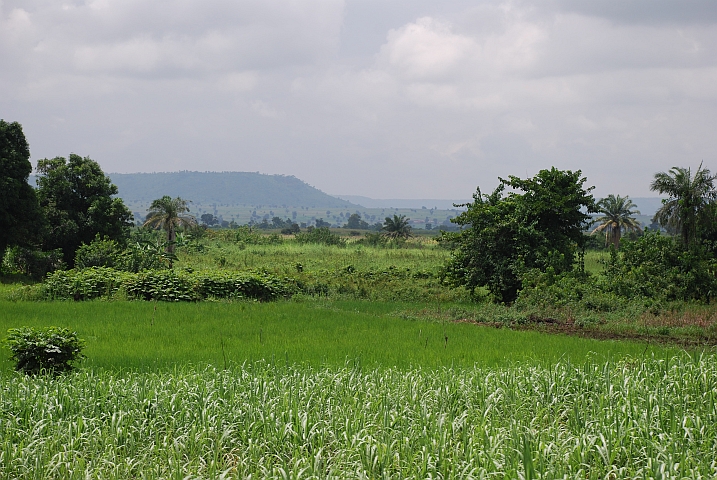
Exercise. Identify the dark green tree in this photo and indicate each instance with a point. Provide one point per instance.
(396, 227)
(20, 216)
(77, 200)
(504, 236)
(355, 222)
(686, 211)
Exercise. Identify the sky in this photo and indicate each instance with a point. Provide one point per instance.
(381, 98)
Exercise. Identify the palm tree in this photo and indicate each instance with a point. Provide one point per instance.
(397, 227)
(169, 213)
(687, 207)
(617, 216)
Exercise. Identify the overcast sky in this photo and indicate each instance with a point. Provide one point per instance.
(382, 98)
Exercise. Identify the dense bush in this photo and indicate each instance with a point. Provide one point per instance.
(658, 267)
(33, 263)
(49, 349)
(101, 252)
(164, 285)
(144, 252)
(321, 236)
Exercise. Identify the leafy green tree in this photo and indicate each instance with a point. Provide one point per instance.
(77, 200)
(169, 214)
(355, 222)
(20, 216)
(397, 227)
(686, 211)
(208, 219)
(320, 223)
(503, 237)
(617, 216)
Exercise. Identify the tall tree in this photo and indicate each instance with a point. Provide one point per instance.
(505, 236)
(396, 227)
(20, 216)
(77, 199)
(169, 213)
(617, 216)
(687, 208)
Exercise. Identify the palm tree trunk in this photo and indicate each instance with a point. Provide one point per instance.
(616, 238)
(171, 237)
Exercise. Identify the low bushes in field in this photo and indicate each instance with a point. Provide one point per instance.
(321, 236)
(164, 285)
(48, 349)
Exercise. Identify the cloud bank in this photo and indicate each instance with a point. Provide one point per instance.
(388, 99)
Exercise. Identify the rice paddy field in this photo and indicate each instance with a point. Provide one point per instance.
(336, 385)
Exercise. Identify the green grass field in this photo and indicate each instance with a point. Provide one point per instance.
(329, 385)
(133, 335)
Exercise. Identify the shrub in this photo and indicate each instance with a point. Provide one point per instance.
(321, 236)
(84, 284)
(373, 240)
(34, 263)
(101, 252)
(658, 267)
(49, 349)
(164, 285)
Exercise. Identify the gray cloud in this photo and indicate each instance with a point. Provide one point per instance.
(392, 98)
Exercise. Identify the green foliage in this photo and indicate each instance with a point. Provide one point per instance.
(48, 349)
(243, 235)
(20, 216)
(686, 211)
(658, 267)
(373, 239)
(355, 222)
(320, 236)
(169, 214)
(101, 252)
(78, 202)
(504, 237)
(617, 215)
(397, 227)
(32, 262)
(624, 419)
(163, 285)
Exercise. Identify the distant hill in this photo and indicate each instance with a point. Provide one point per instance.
(647, 205)
(229, 188)
(402, 203)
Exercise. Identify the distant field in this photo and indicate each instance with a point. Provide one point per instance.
(242, 214)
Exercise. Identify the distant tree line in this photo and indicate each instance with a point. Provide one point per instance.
(527, 237)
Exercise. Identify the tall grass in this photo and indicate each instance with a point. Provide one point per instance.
(284, 257)
(593, 420)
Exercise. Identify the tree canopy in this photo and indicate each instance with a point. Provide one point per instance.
(686, 211)
(77, 200)
(504, 236)
(396, 227)
(169, 214)
(356, 222)
(20, 216)
(617, 215)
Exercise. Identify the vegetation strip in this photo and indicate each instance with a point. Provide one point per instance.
(654, 418)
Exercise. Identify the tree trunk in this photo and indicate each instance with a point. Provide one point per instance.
(616, 237)
(171, 237)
